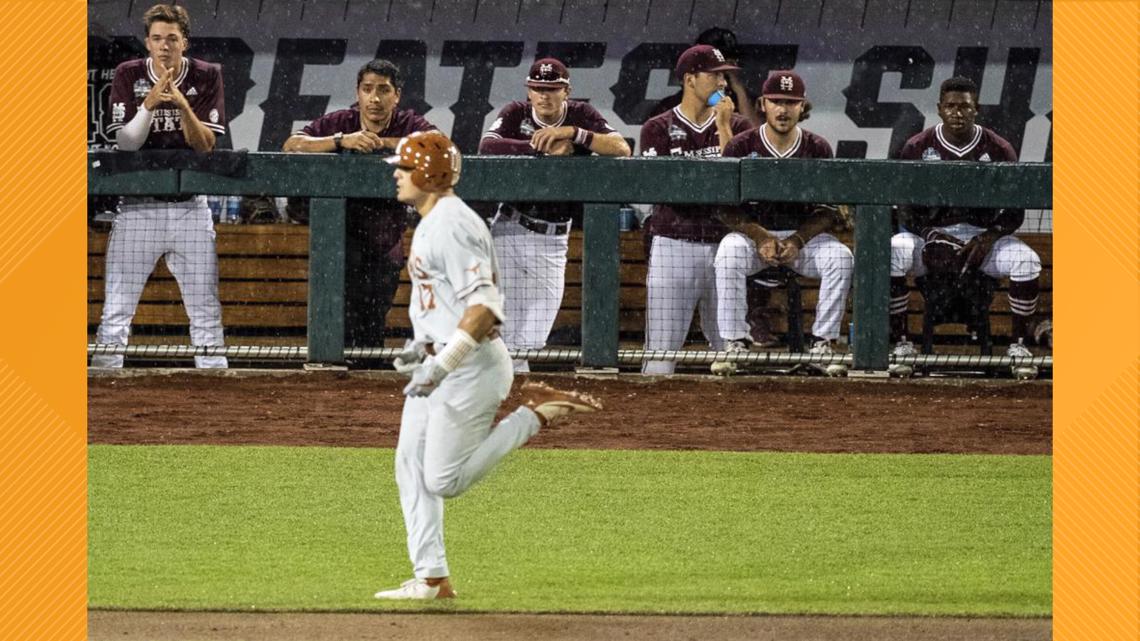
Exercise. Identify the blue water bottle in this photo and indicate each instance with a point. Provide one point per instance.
(215, 205)
(233, 210)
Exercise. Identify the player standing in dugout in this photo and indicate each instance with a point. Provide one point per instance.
(685, 237)
(374, 227)
(164, 101)
(792, 234)
(532, 239)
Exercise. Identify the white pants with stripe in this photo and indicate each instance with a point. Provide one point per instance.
(447, 445)
(823, 257)
(1009, 258)
(532, 268)
(183, 234)
(680, 280)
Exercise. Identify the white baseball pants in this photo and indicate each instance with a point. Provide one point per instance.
(532, 271)
(823, 257)
(142, 233)
(447, 445)
(1009, 258)
(680, 279)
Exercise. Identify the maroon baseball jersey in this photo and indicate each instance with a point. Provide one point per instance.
(754, 144)
(380, 222)
(984, 146)
(200, 82)
(511, 132)
(673, 134)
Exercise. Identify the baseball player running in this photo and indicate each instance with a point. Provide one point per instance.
(532, 239)
(685, 237)
(801, 241)
(164, 101)
(460, 368)
(984, 236)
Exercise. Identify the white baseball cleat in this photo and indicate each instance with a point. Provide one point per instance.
(551, 404)
(728, 368)
(902, 370)
(822, 347)
(1021, 371)
(418, 589)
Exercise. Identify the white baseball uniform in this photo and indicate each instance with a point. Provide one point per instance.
(446, 442)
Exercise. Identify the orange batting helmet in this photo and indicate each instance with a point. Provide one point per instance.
(431, 157)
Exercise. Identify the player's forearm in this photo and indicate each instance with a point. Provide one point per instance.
(506, 147)
(197, 135)
(133, 134)
(309, 144)
(477, 321)
(724, 133)
(609, 145)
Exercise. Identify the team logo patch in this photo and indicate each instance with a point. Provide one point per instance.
(545, 69)
(676, 133)
(931, 154)
(118, 112)
(214, 116)
(985, 158)
(786, 83)
(719, 55)
(141, 88)
(649, 152)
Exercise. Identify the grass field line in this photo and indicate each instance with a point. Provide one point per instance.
(320, 529)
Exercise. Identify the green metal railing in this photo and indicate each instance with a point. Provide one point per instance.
(872, 186)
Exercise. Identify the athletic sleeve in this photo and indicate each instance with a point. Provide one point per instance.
(654, 141)
(594, 121)
(468, 259)
(123, 107)
(211, 106)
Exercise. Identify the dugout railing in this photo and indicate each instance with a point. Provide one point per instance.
(602, 184)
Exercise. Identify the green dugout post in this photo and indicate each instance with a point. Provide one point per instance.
(601, 286)
(872, 286)
(326, 280)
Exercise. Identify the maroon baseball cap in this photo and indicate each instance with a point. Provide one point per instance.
(548, 72)
(700, 58)
(784, 84)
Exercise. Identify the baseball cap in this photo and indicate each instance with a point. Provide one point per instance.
(548, 72)
(784, 84)
(700, 58)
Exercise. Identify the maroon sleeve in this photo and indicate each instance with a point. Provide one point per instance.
(505, 137)
(823, 148)
(1006, 149)
(740, 124)
(123, 106)
(211, 104)
(912, 150)
(419, 123)
(654, 139)
(321, 127)
(737, 147)
(594, 121)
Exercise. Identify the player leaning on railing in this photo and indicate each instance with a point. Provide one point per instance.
(164, 101)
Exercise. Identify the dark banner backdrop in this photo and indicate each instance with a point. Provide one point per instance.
(872, 66)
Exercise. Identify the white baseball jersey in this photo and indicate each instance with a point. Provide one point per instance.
(452, 265)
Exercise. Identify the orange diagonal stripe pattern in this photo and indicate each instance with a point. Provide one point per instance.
(43, 498)
(1097, 235)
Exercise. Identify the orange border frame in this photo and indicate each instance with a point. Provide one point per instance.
(43, 502)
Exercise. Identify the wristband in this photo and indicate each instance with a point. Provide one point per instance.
(457, 349)
(337, 137)
(583, 137)
(797, 236)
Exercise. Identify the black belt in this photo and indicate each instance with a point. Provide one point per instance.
(536, 225)
(180, 198)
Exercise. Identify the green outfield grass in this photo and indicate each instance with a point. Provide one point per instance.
(271, 528)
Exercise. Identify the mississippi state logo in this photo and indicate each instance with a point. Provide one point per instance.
(786, 83)
(545, 69)
(118, 112)
(718, 54)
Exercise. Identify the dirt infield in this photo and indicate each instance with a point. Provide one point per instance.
(773, 414)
